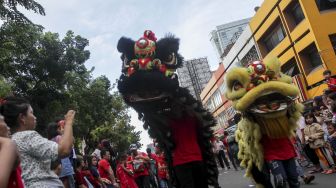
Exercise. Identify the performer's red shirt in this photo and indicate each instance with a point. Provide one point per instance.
(277, 149)
(184, 135)
(332, 84)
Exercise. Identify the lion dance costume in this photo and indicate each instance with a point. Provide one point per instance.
(150, 85)
(265, 98)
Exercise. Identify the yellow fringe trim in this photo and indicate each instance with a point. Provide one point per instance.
(249, 134)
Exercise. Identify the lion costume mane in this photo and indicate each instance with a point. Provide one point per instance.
(149, 84)
(266, 99)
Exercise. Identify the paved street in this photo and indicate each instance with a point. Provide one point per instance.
(235, 179)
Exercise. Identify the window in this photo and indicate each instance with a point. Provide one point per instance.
(209, 105)
(221, 119)
(296, 12)
(222, 88)
(293, 14)
(217, 99)
(333, 41)
(310, 58)
(290, 68)
(274, 37)
(325, 4)
(223, 34)
(252, 55)
(230, 112)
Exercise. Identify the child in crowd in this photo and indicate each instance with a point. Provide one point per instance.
(314, 137)
(56, 166)
(331, 82)
(332, 136)
(55, 132)
(125, 174)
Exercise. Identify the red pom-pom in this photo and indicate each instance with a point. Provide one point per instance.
(150, 35)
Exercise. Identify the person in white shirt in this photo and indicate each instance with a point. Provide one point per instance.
(96, 152)
(219, 151)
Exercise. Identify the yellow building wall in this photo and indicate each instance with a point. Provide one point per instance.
(315, 28)
(322, 24)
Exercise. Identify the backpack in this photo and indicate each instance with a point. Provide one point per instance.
(138, 166)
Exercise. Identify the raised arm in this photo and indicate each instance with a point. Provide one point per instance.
(65, 144)
(8, 155)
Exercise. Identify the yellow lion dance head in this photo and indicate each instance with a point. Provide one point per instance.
(266, 98)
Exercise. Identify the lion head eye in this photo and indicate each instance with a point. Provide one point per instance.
(236, 85)
(171, 60)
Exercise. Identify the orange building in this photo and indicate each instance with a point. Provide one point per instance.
(214, 99)
(213, 95)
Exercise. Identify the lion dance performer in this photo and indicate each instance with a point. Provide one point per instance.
(178, 122)
(265, 97)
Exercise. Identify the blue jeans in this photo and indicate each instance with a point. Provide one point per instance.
(284, 172)
(163, 183)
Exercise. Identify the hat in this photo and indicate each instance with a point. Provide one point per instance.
(133, 147)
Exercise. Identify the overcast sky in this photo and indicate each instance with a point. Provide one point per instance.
(103, 22)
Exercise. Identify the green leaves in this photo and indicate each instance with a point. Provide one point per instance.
(5, 88)
(9, 10)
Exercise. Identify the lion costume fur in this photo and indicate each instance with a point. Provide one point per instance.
(252, 91)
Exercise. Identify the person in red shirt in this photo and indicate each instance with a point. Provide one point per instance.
(331, 82)
(228, 149)
(162, 168)
(140, 162)
(105, 170)
(79, 177)
(125, 173)
(152, 166)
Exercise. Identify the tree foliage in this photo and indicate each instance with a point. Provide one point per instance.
(9, 10)
(50, 72)
(5, 87)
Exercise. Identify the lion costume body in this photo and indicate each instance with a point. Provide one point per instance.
(149, 85)
(265, 98)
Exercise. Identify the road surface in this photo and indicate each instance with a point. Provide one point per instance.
(236, 179)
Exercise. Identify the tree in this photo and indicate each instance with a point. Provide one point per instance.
(9, 10)
(51, 74)
(5, 88)
(38, 65)
(118, 129)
